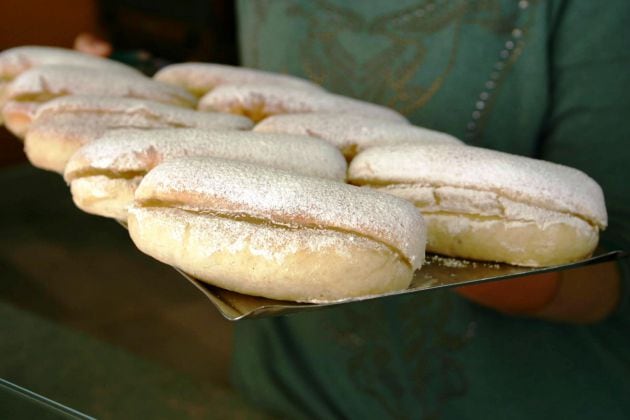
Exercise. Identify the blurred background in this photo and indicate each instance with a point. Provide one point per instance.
(145, 34)
(86, 319)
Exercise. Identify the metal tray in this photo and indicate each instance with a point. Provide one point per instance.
(437, 273)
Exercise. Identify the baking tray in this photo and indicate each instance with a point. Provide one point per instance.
(437, 273)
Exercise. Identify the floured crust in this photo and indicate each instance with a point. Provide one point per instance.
(138, 151)
(261, 101)
(520, 179)
(43, 83)
(235, 188)
(352, 133)
(200, 78)
(306, 265)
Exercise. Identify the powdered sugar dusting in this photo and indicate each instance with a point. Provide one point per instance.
(129, 150)
(238, 188)
(519, 179)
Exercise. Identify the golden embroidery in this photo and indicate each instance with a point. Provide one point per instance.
(403, 353)
(387, 72)
(400, 59)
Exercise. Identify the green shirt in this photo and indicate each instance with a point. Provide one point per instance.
(548, 79)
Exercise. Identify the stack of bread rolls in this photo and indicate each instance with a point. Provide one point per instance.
(269, 185)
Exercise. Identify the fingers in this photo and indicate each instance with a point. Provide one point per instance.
(91, 44)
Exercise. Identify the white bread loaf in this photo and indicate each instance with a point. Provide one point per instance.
(488, 205)
(270, 233)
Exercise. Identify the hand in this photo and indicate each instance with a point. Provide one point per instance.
(91, 44)
(582, 296)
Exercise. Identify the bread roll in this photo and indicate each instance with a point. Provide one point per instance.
(487, 205)
(261, 101)
(266, 232)
(200, 78)
(351, 133)
(15, 61)
(42, 84)
(140, 109)
(64, 124)
(104, 174)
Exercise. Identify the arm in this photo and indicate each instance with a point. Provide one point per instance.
(588, 127)
(585, 295)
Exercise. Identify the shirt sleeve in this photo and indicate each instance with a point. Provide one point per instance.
(589, 120)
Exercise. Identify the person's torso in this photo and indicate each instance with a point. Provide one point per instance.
(478, 70)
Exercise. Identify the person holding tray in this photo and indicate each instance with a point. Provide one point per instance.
(545, 79)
